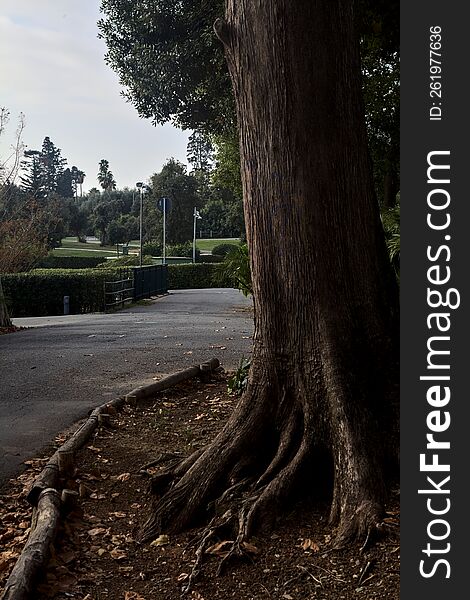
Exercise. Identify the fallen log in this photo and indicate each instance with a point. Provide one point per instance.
(35, 554)
(147, 391)
(49, 476)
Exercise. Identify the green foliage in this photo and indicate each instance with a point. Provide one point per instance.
(41, 292)
(223, 249)
(185, 249)
(391, 224)
(174, 182)
(105, 176)
(123, 229)
(209, 258)
(236, 268)
(239, 380)
(195, 276)
(152, 248)
(53, 261)
(149, 42)
(126, 261)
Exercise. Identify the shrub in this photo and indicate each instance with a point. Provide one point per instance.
(236, 268)
(391, 225)
(184, 249)
(152, 248)
(239, 380)
(194, 276)
(125, 261)
(209, 258)
(223, 249)
(51, 261)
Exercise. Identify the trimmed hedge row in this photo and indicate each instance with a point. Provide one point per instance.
(52, 261)
(195, 276)
(41, 292)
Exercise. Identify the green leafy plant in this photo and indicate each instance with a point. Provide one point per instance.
(238, 382)
(223, 249)
(391, 224)
(236, 268)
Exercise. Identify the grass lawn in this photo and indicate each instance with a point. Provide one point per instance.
(71, 247)
(209, 244)
(78, 252)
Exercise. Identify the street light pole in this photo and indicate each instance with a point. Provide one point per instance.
(196, 216)
(140, 185)
(164, 231)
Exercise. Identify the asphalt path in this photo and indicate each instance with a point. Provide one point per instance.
(54, 372)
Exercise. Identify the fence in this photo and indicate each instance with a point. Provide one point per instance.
(120, 290)
(150, 280)
(134, 284)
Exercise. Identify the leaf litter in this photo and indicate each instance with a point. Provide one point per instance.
(96, 556)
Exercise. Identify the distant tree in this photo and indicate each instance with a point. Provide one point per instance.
(32, 180)
(78, 221)
(174, 182)
(65, 184)
(105, 176)
(53, 165)
(78, 178)
(123, 229)
(9, 193)
(109, 207)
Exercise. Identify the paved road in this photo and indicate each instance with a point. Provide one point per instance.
(54, 372)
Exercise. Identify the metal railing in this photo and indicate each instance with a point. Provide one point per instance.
(150, 281)
(120, 291)
(134, 284)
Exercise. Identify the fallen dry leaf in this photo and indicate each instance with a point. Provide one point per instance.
(118, 554)
(133, 596)
(220, 548)
(250, 548)
(162, 540)
(310, 545)
(96, 531)
(123, 477)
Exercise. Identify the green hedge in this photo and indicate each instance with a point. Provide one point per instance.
(209, 258)
(69, 262)
(194, 276)
(41, 292)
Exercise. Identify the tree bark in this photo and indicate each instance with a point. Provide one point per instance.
(5, 320)
(324, 366)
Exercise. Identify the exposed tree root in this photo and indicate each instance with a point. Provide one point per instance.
(241, 481)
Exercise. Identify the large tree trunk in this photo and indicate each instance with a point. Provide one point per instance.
(324, 367)
(5, 320)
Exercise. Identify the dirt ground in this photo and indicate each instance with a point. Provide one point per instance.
(96, 556)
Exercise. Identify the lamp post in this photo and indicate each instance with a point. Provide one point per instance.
(140, 185)
(196, 216)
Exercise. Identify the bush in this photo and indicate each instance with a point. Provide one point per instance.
(209, 258)
(185, 249)
(223, 249)
(236, 268)
(41, 292)
(195, 276)
(152, 248)
(51, 261)
(125, 261)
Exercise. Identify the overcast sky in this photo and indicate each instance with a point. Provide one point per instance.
(52, 69)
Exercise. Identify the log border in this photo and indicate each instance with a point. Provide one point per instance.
(45, 493)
